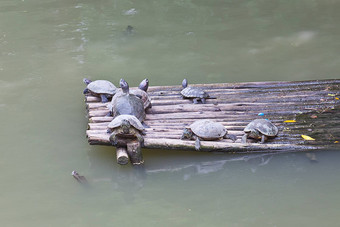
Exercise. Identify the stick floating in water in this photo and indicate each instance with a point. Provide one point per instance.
(80, 179)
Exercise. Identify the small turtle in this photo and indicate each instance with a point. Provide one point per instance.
(126, 126)
(259, 129)
(126, 103)
(194, 93)
(140, 92)
(103, 88)
(206, 130)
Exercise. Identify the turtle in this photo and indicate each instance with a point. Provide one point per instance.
(126, 103)
(140, 92)
(126, 126)
(103, 88)
(259, 129)
(194, 93)
(206, 130)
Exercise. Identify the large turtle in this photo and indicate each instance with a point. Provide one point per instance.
(103, 88)
(206, 130)
(126, 103)
(259, 129)
(194, 93)
(125, 126)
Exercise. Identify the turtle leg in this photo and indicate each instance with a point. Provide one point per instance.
(263, 138)
(203, 100)
(232, 137)
(113, 139)
(145, 125)
(195, 100)
(110, 114)
(140, 139)
(104, 98)
(197, 144)
(244, 138)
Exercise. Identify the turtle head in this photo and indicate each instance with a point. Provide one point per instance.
(187, 134)
(124, 85)
(125, 126)
(144, 85)
(184, 83)
(87, 81)
(254, 133)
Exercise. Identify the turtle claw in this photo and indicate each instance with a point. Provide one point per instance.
(197, 144)
(232, 137)
(104, 98)
(244, 139)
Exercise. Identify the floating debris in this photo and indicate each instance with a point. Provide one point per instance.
(261, 114)
(132, 11)
(80, 179)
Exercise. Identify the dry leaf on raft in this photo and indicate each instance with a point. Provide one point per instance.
(289, 121)
(307, 137)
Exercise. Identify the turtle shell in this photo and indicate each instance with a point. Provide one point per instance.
(264, 126)
(144, 96)
(127, 104)
(102, 87)
(207, 129)
(194, 92)
(117, 121)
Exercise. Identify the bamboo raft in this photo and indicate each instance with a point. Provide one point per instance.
(298, 108)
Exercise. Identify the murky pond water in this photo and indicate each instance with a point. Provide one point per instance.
(48, 46)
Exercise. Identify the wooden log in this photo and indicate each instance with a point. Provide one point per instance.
(122, 156)
(134, 152)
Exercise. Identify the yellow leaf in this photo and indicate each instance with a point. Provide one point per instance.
(331, 94)
(289, 121)
(336, 98)
(307, 137)
(336, 141)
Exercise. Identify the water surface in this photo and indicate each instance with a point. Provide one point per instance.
(48, 46)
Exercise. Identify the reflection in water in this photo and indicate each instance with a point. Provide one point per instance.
(206, 167)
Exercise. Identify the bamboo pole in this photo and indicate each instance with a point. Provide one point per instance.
(134, 152)
(122, 156)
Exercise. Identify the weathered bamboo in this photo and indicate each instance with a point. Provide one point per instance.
(134, 152)
(122, 156)
(236, 105)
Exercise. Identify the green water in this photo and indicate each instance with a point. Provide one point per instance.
(48, 46)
